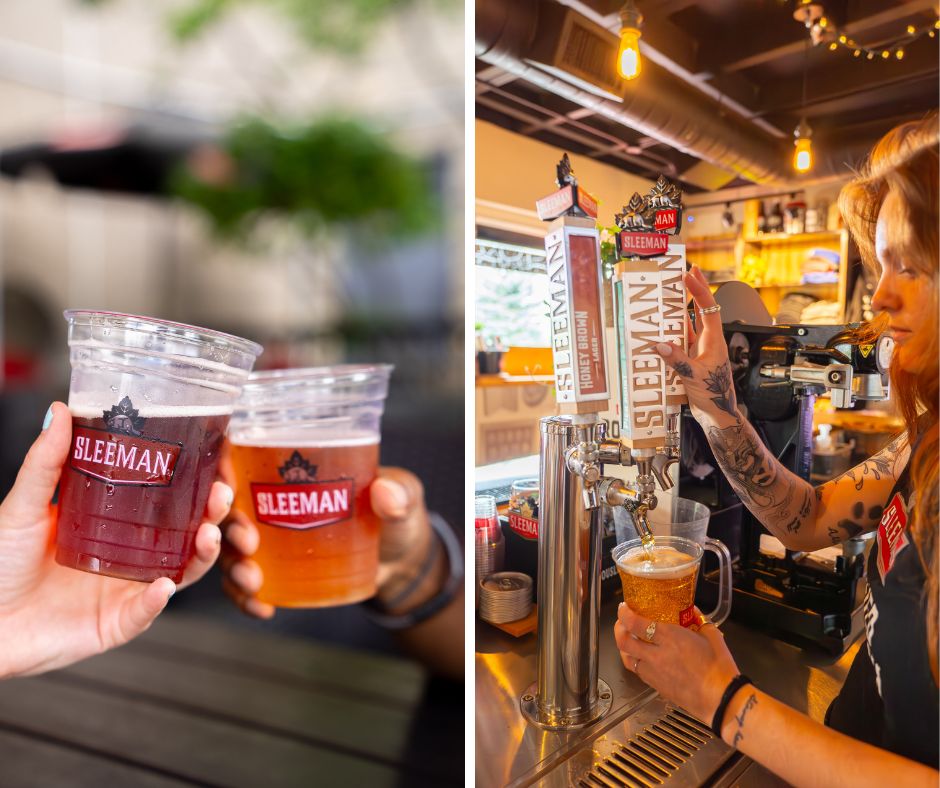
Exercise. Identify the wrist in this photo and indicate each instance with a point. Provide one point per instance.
(414, 577)
(439, 582)
(727, 719)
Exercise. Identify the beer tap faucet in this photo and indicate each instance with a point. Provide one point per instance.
(574, 447)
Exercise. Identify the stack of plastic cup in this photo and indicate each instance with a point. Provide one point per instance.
(489, 545)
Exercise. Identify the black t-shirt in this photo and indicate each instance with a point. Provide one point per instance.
(889, 698)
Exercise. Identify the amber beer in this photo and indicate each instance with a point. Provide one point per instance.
(660, 583)
(319, 537)
(305, 449)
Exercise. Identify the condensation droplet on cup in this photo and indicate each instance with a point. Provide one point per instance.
(164, 561)
(109, 489)
(148, 397)
(87, 483)
(114, 389)
(105, 331)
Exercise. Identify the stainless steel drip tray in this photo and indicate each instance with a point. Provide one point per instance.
(657, 744)
(642, 741)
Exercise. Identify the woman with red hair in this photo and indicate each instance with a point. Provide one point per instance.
(882, 729)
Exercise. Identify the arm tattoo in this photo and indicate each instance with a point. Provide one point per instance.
(794, 525)
(684, 369)
(846, 530)
(749, 704)
(744, 460)
(718, 381)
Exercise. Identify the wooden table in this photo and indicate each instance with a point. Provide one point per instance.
(196, 702)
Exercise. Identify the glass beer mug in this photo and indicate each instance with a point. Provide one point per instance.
(661, 584)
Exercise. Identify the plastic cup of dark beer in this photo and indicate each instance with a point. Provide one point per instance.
(305, 448)
(150, 402)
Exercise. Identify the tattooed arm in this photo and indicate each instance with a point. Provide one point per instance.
(692, 668)
(806, 753)
(801, 517)
(804, 518)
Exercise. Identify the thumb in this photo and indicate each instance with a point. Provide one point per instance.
(675, 357)
(397, 495)
(138, 611)
(28, 501)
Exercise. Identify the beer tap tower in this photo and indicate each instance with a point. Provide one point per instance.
(649, 305)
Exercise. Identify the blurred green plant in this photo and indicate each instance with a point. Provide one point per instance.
(337, 25)
(328, 172)
(608, 249)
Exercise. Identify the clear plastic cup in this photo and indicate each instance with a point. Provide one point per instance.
(663, 588)
(305, 448)
(150, 402)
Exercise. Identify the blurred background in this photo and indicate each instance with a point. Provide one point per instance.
(289, 172)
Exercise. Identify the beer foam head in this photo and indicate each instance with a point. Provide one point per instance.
(665, 562)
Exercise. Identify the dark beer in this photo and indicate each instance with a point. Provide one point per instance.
(134, 488)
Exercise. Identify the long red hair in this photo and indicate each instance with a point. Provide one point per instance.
(906, 162)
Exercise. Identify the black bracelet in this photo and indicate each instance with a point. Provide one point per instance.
(442, 598)
(730, 691)
(434, 547)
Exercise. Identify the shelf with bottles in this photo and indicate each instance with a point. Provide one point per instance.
(778, 263)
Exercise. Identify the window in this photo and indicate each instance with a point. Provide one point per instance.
(511, 294)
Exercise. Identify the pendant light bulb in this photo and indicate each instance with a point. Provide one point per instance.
(628, 56)
(802, 142)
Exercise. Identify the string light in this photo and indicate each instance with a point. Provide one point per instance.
(822, 31)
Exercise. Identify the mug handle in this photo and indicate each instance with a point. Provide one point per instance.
(720, 614)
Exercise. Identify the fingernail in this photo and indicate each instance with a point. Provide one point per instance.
(218, 538)
(172, 591)
(47, 421)
(664, 348)
(229, 495)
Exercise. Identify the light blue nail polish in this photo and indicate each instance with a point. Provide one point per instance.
(48, 420)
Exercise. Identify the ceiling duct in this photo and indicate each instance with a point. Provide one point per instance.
(560, 50)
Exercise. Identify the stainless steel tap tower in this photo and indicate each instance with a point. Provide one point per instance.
(568, 693)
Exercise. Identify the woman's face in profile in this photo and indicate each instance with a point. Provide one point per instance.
(904, 291)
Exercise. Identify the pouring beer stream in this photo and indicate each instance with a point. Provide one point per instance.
(649, 304)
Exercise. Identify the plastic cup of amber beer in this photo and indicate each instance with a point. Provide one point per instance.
(150, 401)
(660, 583)
(305, 447)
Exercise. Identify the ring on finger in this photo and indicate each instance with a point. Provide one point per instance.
(650, 632)
(710, 310)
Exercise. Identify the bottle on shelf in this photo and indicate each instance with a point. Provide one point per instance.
(775, 220)
(761, 218)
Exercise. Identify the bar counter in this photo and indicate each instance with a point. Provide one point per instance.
(511, 752)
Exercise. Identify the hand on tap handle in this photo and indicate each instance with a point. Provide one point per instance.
(705, 370)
